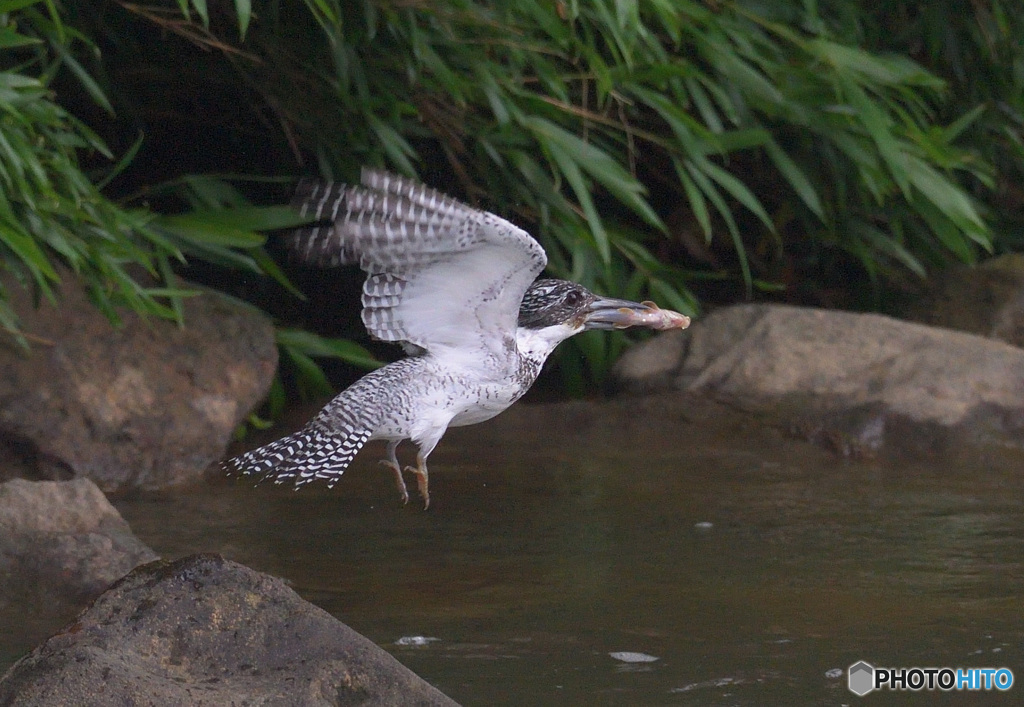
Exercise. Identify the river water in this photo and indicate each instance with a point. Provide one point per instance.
(729, 563)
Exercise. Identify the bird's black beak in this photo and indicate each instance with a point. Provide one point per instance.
(607, 313)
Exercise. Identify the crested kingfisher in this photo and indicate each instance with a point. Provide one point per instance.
(457, 287)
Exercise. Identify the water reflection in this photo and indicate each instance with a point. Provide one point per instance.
(751, 566)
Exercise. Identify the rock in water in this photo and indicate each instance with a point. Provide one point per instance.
(61, 545)
(899, 383)
(63, 541)
(207, 631)
(987, 299)
(144, 405)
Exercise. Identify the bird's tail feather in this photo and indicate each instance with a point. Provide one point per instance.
(314, 452)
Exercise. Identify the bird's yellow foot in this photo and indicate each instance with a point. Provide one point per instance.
(422, 481)
(403, 492)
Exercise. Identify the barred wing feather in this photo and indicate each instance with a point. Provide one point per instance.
(439, 273)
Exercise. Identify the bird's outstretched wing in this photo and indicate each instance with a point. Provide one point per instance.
(440, 274)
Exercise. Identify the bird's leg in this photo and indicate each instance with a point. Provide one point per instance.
(392, 463)
(421, 477)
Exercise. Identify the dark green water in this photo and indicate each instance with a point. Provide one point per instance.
(557, 536)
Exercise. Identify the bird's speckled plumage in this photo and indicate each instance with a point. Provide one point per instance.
(430, 260)
(456, 287)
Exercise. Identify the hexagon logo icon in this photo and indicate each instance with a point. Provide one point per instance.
(861, 678)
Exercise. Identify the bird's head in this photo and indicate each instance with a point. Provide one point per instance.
(553, 310)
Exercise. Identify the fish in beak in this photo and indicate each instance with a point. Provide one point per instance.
(608, 313)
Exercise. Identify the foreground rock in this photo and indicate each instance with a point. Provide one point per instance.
(61, 545)
(863, 381)
(63, 540)
(206, 631)
(145, 405)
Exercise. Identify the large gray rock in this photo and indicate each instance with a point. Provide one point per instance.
(145, 405)
(986, 300)
(61, 545)
(873, 374)
(206, 631)
(63, 539)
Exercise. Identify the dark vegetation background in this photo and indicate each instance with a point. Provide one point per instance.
(695, 153)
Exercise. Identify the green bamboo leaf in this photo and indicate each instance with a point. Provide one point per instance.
(948, 198)
(795, 177)
(890, 70)
(267, 265)
(943, 228)
(698, 204)
(202, 11)
(671, 18)
(311, 344)
(709, 190)
(312, 382)
(210, 228)
(14, 82)
(168, 276)
(637, 253)
(494, 94)
(570, 170)
(885, 243)
(547, 19)
(725, 98)
(395, 146)
(552, 80)
(736, 140)
(594, 346)
(957, 127)
(627, 14)
(869, 169)
(657, 75)
(207, 192)
(12, 169)
(704, 105)
(738, 190)
(599, 165)
(173, 292)
(126, 159)
(276, 398)
(324, 12)
(22, 245)
(254, 218)
(747, 78)
(10, 39)
(87, 81)
(437, 67)
(243, 10)
(879, 127)
(254, 421)
(694, 138)
(8, 6)
(9, 324)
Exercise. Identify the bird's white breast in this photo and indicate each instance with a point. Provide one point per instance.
(487, 401)
(453, 386)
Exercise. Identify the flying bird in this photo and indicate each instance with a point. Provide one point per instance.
(457, 287)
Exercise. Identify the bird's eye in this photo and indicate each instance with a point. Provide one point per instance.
(573, 298)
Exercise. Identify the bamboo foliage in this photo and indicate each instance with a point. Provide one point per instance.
(539, 107)
(594, 120)
(600, 125)
(53, 216)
